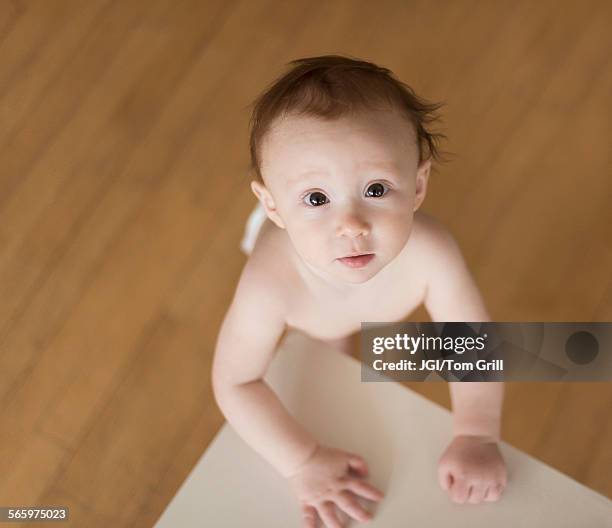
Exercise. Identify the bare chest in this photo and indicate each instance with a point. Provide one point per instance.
(327, 316)
(334, 318)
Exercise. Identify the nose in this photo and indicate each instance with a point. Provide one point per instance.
(352, 225)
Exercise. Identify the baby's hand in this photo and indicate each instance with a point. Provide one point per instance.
(472, 469)
(329, 478)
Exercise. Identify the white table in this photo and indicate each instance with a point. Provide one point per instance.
(399, 433)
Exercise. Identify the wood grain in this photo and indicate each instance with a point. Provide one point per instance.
(124, 193)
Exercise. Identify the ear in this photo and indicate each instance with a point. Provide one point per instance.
(422, 178)
(264, 196)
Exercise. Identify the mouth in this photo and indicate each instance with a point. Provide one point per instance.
(358, 260)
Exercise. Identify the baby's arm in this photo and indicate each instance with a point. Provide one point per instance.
(246, 344)
(452, 295)
(323, 478)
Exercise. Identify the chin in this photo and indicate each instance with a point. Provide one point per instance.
(361, 275)
(358, 276)
(359, 280)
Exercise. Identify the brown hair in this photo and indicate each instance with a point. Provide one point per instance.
(332, 86)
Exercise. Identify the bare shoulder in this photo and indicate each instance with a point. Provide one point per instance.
(265, 274)
(252, 327)
(270, 261)
(451, 293)
(429, 230)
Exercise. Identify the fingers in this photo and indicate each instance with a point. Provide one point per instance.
(358, 465)
(327, 511)
(445, 479)
(347, 502)
(460, 491)
(477, 494)
(309, 516)
(494, 493)
(364, 489)
(463, 490)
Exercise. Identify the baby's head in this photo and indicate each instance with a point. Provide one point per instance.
(341, 158)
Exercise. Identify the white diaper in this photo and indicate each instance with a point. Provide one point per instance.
(253, 225)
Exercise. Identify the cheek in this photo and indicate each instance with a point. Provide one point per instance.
(395, 226)
(307, 237)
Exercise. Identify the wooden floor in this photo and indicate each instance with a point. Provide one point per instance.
(124, 192)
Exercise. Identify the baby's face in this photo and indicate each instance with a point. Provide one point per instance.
(343, 187)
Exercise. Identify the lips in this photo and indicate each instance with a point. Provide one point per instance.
(357, 261)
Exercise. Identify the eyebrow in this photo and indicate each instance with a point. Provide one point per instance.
(384, 165)
(302, 176)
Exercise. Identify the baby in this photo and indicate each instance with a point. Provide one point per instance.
(341, 156)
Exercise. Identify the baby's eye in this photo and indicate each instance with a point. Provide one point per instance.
(376, 190)
(316, 198)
